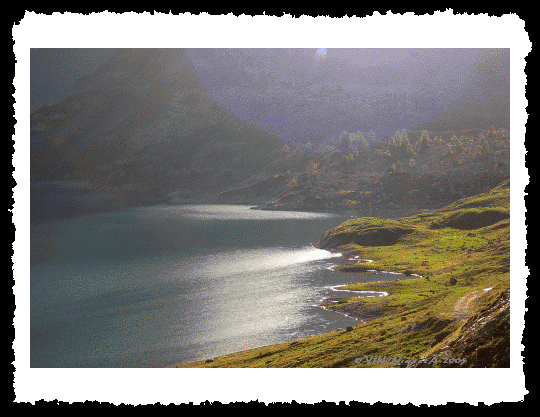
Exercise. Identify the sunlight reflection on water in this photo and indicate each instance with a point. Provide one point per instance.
(224, 212)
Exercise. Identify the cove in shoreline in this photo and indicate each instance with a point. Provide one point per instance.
(357, 312)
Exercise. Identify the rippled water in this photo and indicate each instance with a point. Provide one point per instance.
(161, 285)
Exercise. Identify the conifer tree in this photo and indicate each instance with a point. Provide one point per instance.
(404, 134)
(358, 142)
(407, 149)
(456, 144)
(353, 141)
(423, 143)
(484, 145)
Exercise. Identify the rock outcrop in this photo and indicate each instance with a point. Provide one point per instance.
(484, 339)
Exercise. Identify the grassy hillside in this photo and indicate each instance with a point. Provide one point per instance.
(455, 307)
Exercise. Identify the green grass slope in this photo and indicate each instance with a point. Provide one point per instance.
(455, 312)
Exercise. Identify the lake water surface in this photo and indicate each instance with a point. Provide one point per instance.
(161, 285)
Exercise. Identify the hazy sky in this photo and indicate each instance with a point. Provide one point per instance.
(273, 87)
(54, 72)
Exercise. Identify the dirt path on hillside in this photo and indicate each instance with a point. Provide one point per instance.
(461, 310)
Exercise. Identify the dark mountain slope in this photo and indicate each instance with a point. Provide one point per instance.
(143, 122)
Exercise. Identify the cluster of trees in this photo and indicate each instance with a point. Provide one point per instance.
(501, 133)
(404, 152)
(423, 143)
(484, 144)
(354, 142)
(400, 148)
